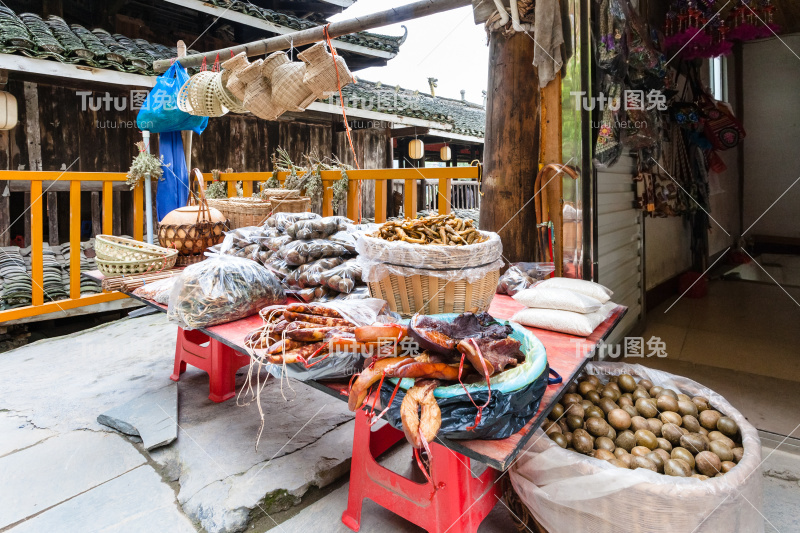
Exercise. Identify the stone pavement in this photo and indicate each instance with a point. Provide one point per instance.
(62, 471)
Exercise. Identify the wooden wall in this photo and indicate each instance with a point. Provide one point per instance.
(64, 135)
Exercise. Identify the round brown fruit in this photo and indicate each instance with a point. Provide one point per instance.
(593, 396)
(687, 407)
(669, 392)
(671, 417)
(672, 433)
(726, 466)
(639, 422)
(691, 423)
(610, 392)
(612, 433)
(655, 426)
(718, 435)
(657, 460)
(695, 443)
(639, 394)
(619, 419)
(575, 409)
(585, 386)
(677, 468)
(738, 453)
(568, 435)
(664, 444)
(560, 439)
(709, 419)
(594, 412)
(557, 412)
(572, 387)
(727, 426)
(667, 403)
(595, 380)
(607, 405)
(701, 477)
(616, 462)
(721, 450)
(583, 441)
(619, 452)
(684, 398)
(625, 440)
(684, 454)
(645, 437)
(627, 383)
(552, 427)
(597, 427)
(640, 451)
(646, 384)
(708, 463)
(604, 443)
(665, 456)
(643, 462)
(574, 422)
(701, 403)
(627, 459)
(603, 455)
(586, 404)
(655, 391)
(630, 409)
(625, 400)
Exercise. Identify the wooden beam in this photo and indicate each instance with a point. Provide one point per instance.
(551, 153)
(52, 218)
(408, 132)
(97, 227)
(511, 157)
(415, 10)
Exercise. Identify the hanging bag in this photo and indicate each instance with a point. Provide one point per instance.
(160, 112)
(721, 128)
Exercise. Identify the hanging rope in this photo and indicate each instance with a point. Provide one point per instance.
(344, 113)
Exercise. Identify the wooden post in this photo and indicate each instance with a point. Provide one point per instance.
(186, 135)
(511, 145)
(551, 153)
(97, 228)
(52, 219)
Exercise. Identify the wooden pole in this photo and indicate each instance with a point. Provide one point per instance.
(418, 9)
(511, 146)
(551, 152)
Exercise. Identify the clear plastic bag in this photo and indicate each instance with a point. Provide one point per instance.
(568, 491)
(281, 221)
(279, 267)
(342, 278)
(154, 289)
(298, 253)
(349, 235)
(304, 275)
(521, 276)
(378, 258)
(275, 243)
(222, 289)
(312, 294)
(318, 228)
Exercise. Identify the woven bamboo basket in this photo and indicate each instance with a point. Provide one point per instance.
(111, 248)
(429, 295)
(301, 204)
(269, 194)
(242, 212)
(420, 289)
(126, 268)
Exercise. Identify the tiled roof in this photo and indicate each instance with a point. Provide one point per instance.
(466, 118)
(387, 43)
(53, 39)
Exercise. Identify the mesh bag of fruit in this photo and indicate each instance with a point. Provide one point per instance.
(645, 451)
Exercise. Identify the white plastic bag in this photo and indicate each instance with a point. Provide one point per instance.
(567, 491)
(563, 299)
(589, 288)
(564, 321)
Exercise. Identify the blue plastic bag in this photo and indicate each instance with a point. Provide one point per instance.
(160, 112)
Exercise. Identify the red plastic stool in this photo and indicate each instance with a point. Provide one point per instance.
(458, 506)
(220, 361)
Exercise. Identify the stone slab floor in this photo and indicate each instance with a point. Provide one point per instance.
(62, 471)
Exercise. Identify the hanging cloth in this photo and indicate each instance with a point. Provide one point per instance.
(549, 38)
(173, 190)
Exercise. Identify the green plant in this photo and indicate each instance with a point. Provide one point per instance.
(217, 189)
(144, 163)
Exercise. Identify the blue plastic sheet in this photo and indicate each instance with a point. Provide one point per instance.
(160, 112)
(173, 189)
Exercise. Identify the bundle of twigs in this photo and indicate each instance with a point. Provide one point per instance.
(129, 283)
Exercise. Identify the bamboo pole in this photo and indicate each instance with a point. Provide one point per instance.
(419, 9)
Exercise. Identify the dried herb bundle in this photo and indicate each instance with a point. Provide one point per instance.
(143, 164)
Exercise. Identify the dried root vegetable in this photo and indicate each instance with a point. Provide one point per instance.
(444, 230)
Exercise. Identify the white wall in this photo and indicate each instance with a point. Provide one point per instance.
(668, 240)
(772, 147)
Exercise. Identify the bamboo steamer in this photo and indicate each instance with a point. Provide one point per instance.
(194, 228)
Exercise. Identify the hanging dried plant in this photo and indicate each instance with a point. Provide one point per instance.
(143, 164)
(217, 189)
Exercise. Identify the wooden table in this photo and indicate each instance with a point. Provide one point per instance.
(566, 354)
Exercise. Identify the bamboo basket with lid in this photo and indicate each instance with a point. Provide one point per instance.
(194, 228)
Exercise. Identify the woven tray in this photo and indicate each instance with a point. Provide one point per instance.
(124, 268)
(242, 212)
(112, 248)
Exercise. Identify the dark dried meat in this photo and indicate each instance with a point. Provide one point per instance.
(496, 354)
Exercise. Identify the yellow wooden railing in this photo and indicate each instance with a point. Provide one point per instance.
(250, 181)
(38, 305)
